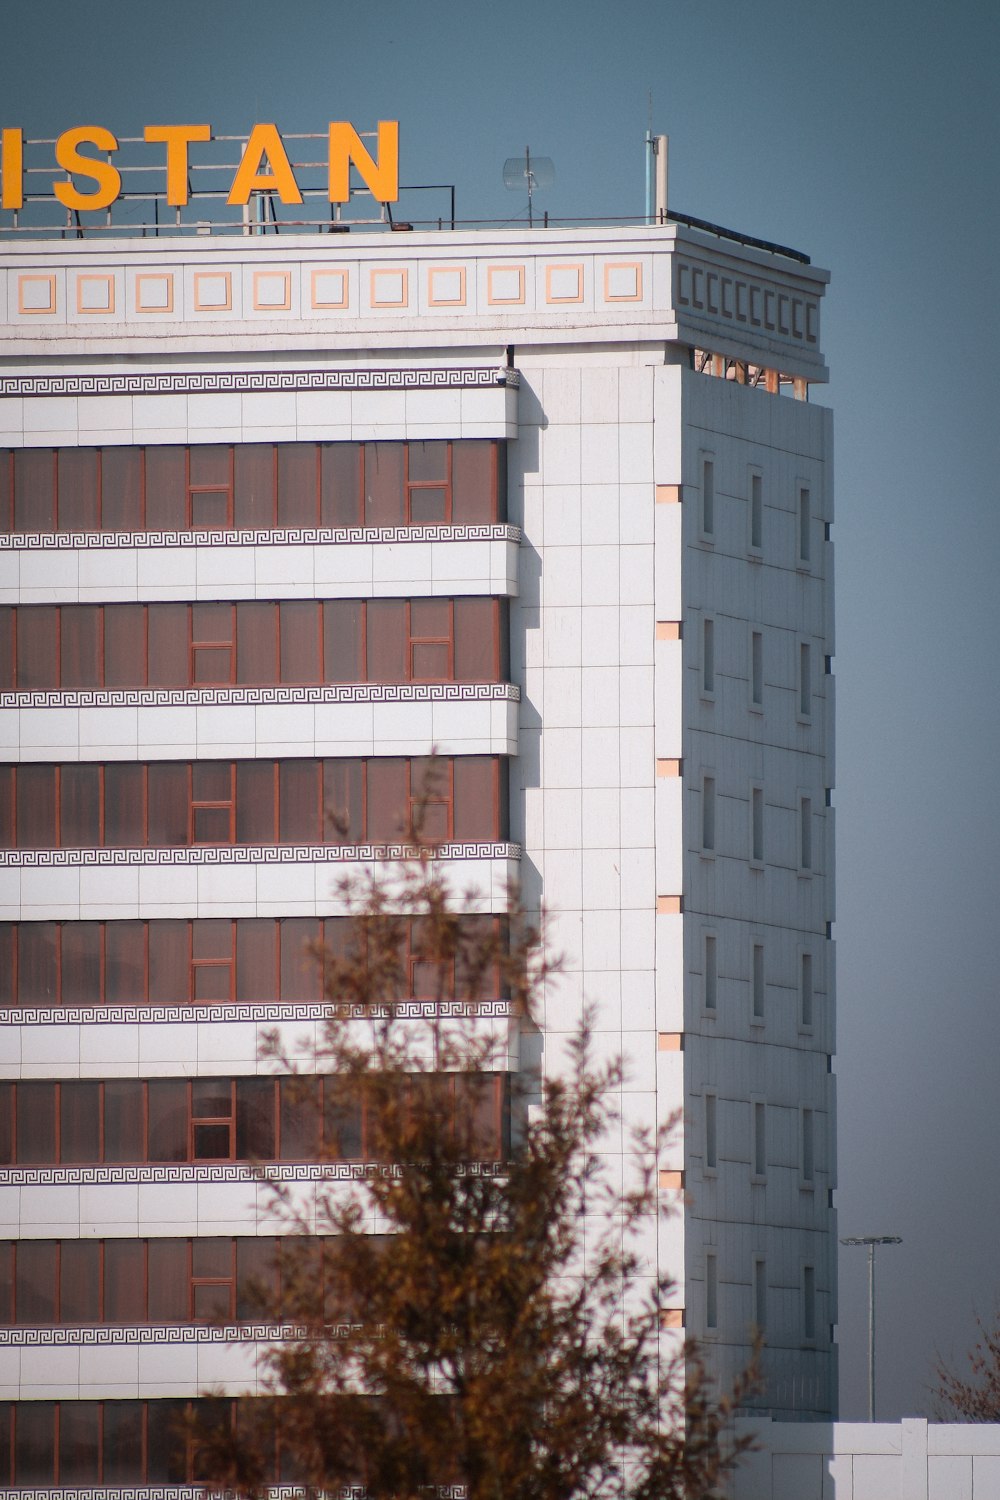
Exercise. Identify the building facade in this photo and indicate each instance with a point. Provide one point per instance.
(279, 516)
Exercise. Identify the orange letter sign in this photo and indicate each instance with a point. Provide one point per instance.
(177, 138)
(382, 177)
(264, 140)
(12, 169)
(107, 177)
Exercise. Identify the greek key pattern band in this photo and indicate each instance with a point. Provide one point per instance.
(345, 692)
(215, 1172)
(248, 854)
(250, 382)
(196, 1492)
(199, 1492)
(104, 1015)
(286, 536)
(156, 1333)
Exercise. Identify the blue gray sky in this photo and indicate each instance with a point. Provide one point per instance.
(866, 135)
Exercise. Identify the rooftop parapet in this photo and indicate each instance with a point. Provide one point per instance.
(737, 306)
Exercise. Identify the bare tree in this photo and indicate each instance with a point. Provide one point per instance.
(972, 1396)
(470, 1310)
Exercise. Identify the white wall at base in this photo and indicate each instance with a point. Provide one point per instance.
(910, 1460)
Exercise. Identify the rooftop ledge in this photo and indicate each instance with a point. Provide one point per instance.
(679, 283)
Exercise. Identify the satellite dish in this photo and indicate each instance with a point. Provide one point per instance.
(528, 172)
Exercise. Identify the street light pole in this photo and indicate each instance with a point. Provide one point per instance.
(870, 1241)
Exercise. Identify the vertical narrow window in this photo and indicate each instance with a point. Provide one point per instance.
(805, 680)
(707, 498)
(212, 635)
(805, 834)
(757, 669)
(711, 1290)
(211, 959)
(298, 484)
(805, 538)
(212, 802)
(340, 484)
(757, 983)
(121, 489)
(711, 1133)
(477, 658)
(711, 973)
(808, 1147)
(809, 1302)
(300, 628)
(708, 814)
(80, 646)
(707, 657)
(125, 962)
(125, 645)
(757, 825)
(210, 487)
(756, 513)
(759, 1293)
(253, 487)
(384, 485)
(430, 640)
(806, 990)
(34, 489)
(478, 480)
(166, 490)
(759, 1138)
(77, 489)
(427, 483)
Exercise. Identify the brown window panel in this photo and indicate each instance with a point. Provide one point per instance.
(252, 486)
(48, 648)
(211, 961)
(77, 1122)
(170, 804)
(105, 1282)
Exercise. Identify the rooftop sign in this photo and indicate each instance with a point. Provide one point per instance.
(264, 165)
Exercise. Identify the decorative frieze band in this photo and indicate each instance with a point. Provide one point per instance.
(251, 382)
(214, 1172)
(156, 1333)
(104, 1015)
(198, 1492)
(288, 536)
(349, 692)
(246, 854)
(195, 1492)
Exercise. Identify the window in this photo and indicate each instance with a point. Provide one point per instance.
(759, 1292)
(252, 486)
(809, 1303)
(805, 680)
(757, 669)
(45, 648)
(711, 1291)
(711, 1133)
(758, 1140)
(804, 528)
(756, 513)
(808, 1152)
(711, 974)
(205, 961)
(707, 658)
(212, 1119)
(708, 814)
(173, 804)
(805, 835)
(707, 499)
(806, 991)
(757, 983)
(757, 825)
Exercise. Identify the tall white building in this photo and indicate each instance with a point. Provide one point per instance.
(278, 515)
